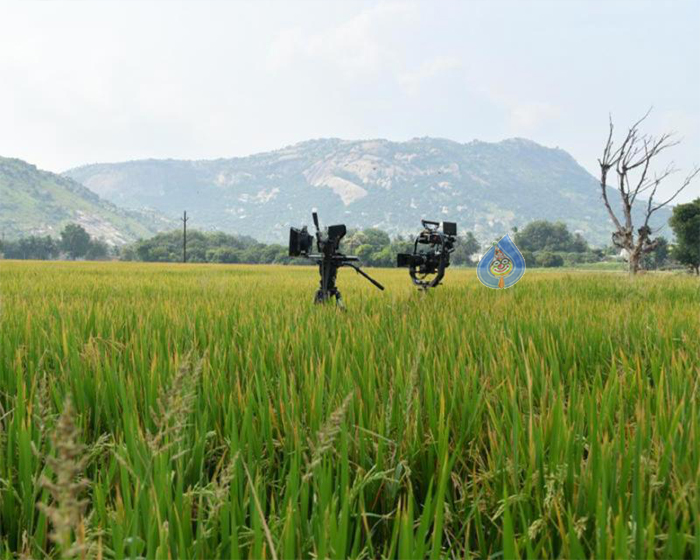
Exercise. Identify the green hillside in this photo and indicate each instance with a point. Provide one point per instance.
(38, 202)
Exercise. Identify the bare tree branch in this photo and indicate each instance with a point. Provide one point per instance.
(605, 165)
(685, 183)
(650, 183)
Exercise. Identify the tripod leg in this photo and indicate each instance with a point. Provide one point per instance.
(322, 296)
(339, 300)
(327, 289)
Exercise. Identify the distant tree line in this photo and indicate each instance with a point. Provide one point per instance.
(74, 243)
(373, 246)
(202, 247)
(542, 243)
(548, 245)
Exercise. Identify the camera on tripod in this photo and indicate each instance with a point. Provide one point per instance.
(301, 241)
(329, 258)
(431, 254)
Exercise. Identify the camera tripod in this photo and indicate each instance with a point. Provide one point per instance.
(328, 258)
(328, 268)
(327, 288)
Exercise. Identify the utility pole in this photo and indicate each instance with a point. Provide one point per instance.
(184, 236)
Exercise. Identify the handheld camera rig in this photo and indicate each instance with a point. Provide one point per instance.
(328, 258)
(427, 265)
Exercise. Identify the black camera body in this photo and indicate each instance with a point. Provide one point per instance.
(407, 260)
(327, 242)
(329, 258)
(431, 254)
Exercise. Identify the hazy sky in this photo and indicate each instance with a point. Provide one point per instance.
(84, 82)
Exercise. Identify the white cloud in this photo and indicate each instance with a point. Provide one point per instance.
(411, 81)
(527, 116)
(356, 47)
(523, 113)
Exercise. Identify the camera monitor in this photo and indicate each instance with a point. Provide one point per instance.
(300, 242)
(449, 228)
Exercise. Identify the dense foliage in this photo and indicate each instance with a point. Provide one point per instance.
(686, 225)
(74, 243)
(659, 257)
(542, 235)
(33, 247)
(188, 411)
(551, 244)
(214, 247)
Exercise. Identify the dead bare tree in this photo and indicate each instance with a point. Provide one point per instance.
(632, 161)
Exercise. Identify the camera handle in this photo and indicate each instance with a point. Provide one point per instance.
(363, 273)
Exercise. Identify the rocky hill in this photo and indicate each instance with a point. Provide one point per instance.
(485, 187)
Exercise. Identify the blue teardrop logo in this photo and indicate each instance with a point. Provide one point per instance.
(502, 265)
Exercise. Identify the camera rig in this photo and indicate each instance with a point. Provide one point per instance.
(431, 254)
(328, 258)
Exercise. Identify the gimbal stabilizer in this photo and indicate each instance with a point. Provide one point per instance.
(427, 266)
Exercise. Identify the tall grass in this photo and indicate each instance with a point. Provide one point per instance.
(219, 414)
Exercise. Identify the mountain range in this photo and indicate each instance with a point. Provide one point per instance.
(487, 188)
(35, 202)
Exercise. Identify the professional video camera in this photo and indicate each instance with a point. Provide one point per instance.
(431, 254)
(329, 258)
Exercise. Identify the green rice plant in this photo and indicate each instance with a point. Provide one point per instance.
(216, 413)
